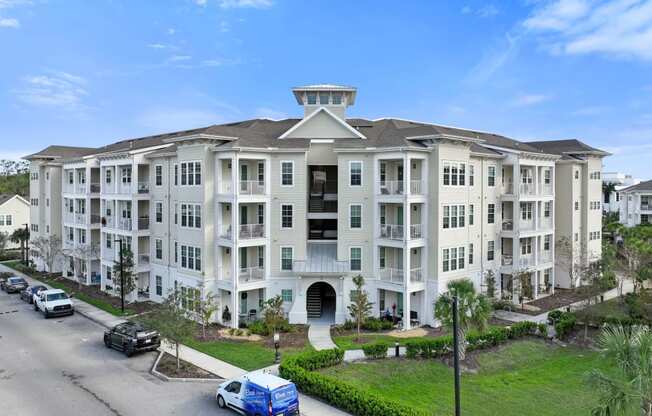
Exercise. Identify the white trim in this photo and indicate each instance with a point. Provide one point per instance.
(26, 202)
(201, 173)
(361, 174)
(361, 256)
(158, 166)
(281, 173)
(327, 111)
(281, 215)
(280, 264)
(350, 216)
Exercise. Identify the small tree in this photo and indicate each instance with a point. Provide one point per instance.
(569, 258)
(173, 322)
(360, 307)
(49, 250)
(87, 252)
(127, 270)
(4, 238)
(273, 313)
(207, 307)
(21, 236)
(490, 281)
(526, 291)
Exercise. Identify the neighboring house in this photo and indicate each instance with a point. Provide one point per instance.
(613, 183)
(14, 214)
(636, 204)
(297, 207)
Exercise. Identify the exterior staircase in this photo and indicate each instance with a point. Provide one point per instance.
(313, 304)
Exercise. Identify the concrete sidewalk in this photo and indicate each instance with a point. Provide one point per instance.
(319, 336)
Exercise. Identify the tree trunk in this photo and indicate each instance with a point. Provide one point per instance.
(176, 346)
(203, 330)
(358, 336)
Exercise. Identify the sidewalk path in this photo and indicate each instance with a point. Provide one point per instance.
(319, 335)
(309, 406)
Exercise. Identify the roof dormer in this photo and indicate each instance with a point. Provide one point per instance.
(335, 98)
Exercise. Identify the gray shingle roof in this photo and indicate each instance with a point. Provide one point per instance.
(6, 197)
(562, 147)
(643, 186)
(61, 152)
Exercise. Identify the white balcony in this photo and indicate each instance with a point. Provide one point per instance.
(251, 274)
(507, 260)
(389, 274)
(415, 231)
(248, 231)
(143, 259)
(95, 187)
(546, 189)
(508, 224)
(545, 256)
(124, 224)
(108, 254)
(107, 221)
(80, 218)
(392, 187)
(416, 275)
(416, 187)
(251, 188)
(508, 188)
(143, 187)
(526, 225)
(528, 189)
(226, 232)
(546, 223)
(80, 188)
(525, 261)
(392, 232)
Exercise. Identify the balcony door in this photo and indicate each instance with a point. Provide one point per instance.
(243, 215)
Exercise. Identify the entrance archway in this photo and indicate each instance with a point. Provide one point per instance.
(321, 302)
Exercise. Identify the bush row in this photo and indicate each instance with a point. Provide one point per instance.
(376, 350)
(259, 327)
(301, 370)
(565, 324)
(370, 324)
(437, 347)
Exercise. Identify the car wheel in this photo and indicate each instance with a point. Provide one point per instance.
(220, 402)
(36, 307)
(107, 342)
(46, 315)
(129, 351)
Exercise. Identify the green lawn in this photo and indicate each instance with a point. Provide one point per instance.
(245, 354)
(527, 377)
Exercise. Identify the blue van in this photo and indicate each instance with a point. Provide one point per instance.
(259, 394)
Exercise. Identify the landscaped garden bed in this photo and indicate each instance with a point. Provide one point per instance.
(167, 365)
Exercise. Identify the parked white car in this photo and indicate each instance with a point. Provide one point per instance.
(53, 302)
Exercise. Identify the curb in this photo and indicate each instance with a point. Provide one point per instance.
(163, 377)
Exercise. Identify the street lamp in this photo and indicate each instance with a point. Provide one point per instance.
(456, 355)
(122, 278)
(277, 343)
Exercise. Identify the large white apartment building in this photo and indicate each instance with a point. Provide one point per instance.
(297, 207)
(636, 204)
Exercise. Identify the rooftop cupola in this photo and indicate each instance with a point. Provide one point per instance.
(335, 98)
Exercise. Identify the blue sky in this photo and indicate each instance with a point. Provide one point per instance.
(90, 72)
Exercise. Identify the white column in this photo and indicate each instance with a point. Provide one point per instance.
(235, 253)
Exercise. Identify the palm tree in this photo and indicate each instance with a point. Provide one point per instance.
(630, 348)
(20, 236)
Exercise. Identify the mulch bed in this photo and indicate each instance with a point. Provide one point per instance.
(298, 338)
(168, 366)
(561, 298)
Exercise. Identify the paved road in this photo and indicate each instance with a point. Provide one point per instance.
(60, 366)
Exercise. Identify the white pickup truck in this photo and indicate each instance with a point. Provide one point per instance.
(53, 302)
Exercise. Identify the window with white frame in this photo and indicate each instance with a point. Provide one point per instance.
(577, 206)
(107, 176)
(261, 173)
(287, 173)
(355, 258)
(190, 257)
(355, 173)
(453, 259)
(159, 285)
(471, 253)
(490, 250)
(336, 98)
(547, 177)
(355, 216)
(158, 175)
(471, 214)
(125, 174)
(526, 211)
(176, 174)
(471, 175)
(526, 246)
(382, 259)
(287, 216)
(8, 220)
(454, 173)
(190, 173)
(324, 98)
(491, 176)
(286, 295)
(491, 213)
(191, 215)
(158, 248)
(547, 242)
(453, 216)
(547, 209)
(71, 177)
(287, 258)
(261, 213)
(158, 208)
(311, 98)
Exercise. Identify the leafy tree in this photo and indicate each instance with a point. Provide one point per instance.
(14, 177)
(630, 349)
(570, 259)
(636, 254)
(273, 313)
(21, 236)
(4, 238)
(207, 307)
(128, 276)
(360, 307)
(49, 250)
(87, 252)
(173, 322)
(526, 291)
(490, 280)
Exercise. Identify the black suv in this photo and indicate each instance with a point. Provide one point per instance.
(131, 337)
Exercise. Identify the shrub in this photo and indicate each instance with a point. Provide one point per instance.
(301, 370)
(376, 350)
(542, 330)
(553, 316)
(504, 305)
(565, 324)
(258, 327)
(377, 324)
(634, 305)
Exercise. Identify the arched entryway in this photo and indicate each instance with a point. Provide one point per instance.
(321, 302)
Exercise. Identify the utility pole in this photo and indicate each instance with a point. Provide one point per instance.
(456, 356)
(27, 245)
(122, 278)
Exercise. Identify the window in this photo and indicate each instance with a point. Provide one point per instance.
(471, 253)
(190, 173)
(287, 220)
(577, 205)
(125, 174)
(311, 98)
(324, 98)
(381, 300)
(176, 252)
(490, 250)
(159, 286)
(547, 177)
(35, 202)
(471, 214)
(287, 173)
(491, 176)
(526, 246)
(491, 213)
(158, 175)
(286, 295)
(454, 174)
(109, 241)
(355, 173)
(355, 258)
(547, 241)
(577, 174)
(287, 256)
(159, 211)
(159, 248)
(261, 173)
(191, 215)
(8, 219)
(453, 259)
(176, 174)
(71, 177)
(471, 175)
(34, 176)
(453, 216)
(107, 176)
(382, 257)
(191, 258)
(336, 98)
(526, 211)
(355, 216)
(2, 220)
(261, 214)
(547, 208)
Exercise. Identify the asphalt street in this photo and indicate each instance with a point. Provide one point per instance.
(60, 366)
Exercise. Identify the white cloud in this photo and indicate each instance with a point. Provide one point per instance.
(201, 3)
(171, 31)
(621, 28)
(255, 4)
(9, 23)
(179, 58)
(530, 99)
(466, 10)
(494, 59)
(265, 112)
(157, 46)
(54, 89)
(7, 4)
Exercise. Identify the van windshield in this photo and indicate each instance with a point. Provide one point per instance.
(284, 393)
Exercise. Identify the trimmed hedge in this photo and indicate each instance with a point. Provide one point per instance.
(370, 324)
(376, 350)
(565, 324)
(301, 370)
(437, 347)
